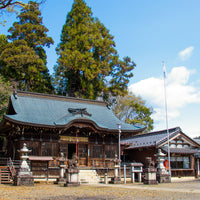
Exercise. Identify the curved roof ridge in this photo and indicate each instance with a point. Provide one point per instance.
(53, 96)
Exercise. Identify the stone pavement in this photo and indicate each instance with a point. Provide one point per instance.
(179, 189)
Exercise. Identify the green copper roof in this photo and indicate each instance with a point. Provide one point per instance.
(50, 110)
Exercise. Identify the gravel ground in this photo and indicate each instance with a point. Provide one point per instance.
(137, 191)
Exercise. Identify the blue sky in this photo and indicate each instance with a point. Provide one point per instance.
(149, 32)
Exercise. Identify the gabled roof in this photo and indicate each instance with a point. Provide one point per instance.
(156, 139)
(57, 111)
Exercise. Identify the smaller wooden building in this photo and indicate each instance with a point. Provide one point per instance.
(182, 150)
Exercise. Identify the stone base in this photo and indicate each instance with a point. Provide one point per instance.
(116, 181)
(163, 178)
(60, 181)
(150, 182)
(23, 180)
(72, 184)
(72, 178)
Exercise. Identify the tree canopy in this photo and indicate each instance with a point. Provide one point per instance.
(24, 59)
(132, 110)
(5, 91)
(88, 64)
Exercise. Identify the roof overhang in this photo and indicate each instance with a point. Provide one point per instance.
(79, 123)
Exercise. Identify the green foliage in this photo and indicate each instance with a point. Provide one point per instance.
(132, 110)
(30, 28)
(88, 64)
(5, 92)
(23, 65)
(3, 43)
(25, 58)
(9, 6)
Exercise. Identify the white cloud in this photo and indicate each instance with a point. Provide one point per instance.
(179, 94)
(186, 53)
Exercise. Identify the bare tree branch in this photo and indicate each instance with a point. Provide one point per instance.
(6, 3)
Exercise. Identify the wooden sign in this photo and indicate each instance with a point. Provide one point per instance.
(73, 139)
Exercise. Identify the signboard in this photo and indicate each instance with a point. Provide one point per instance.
(73, 139)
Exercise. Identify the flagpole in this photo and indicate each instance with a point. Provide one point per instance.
(166, 117)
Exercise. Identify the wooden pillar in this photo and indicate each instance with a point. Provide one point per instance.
(88, 154)
(77, 131)
(47, 170)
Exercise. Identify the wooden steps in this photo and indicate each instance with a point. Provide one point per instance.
(5, 177)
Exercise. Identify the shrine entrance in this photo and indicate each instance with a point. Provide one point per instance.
(71, 150)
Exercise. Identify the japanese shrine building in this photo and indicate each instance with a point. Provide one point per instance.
(183, 150)
(51, 124)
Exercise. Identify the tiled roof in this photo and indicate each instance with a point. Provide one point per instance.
(180, 150)
(58, 111)
(150, 139)
(197, 140)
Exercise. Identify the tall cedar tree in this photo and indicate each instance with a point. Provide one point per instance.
(88, 64)
(29, 38)
(133, 110)
(5, 91)
(3, 43)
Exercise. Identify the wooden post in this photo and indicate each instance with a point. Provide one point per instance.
(77, 142)
(47, 170)
(0, 175)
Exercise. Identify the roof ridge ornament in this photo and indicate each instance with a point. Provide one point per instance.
(77, 111)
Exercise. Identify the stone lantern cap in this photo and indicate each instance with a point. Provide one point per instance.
(24, 149)
(62, 158)
(160, 153)
(116, 160)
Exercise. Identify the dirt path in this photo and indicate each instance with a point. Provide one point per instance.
(137, 191)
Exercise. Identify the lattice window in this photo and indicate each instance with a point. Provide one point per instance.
(34, 147)
(64, 149)
(180, 162)
(82, 150)
(96, 151)
(110, 151)
(49, 149)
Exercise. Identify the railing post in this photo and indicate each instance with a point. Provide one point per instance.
(124, 174)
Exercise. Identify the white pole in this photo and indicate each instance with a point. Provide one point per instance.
(119, 127)
(164, 70)
(124, 174)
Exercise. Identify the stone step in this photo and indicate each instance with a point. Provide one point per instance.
(88, 176)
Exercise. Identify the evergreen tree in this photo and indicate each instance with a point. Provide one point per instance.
(30, 32)
(133, 110)
(88, 64)
(5, 91)
(23, 65)
(3, 43)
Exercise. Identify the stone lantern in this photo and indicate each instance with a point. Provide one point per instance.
(116, 179)
(162, 175)
(24, 175)
(61, 179)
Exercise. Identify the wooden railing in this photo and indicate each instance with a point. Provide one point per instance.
(12, 168)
